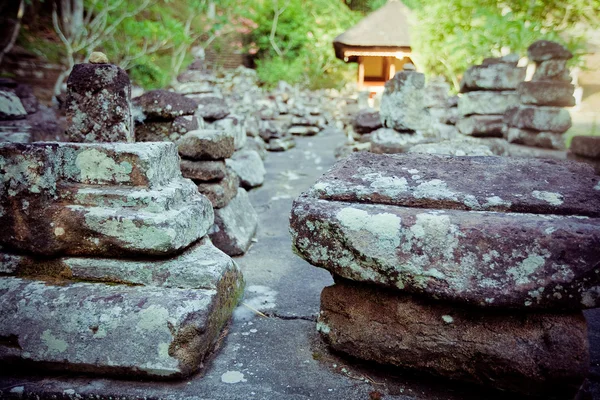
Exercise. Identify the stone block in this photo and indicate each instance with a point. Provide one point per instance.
(235, 225)
(203, 170)
(220, 193)
(249, 167)
(388, 141)
(586, 146)
(235, 126)
(554, 70)
(540, 354)
(366, 121)
(544, 50)
(455, 147)
(497, 77)
(281, 144)
(487, 102)
(481, 125)
(402, 105)
(303, 130)
(11, 106)
(99, 104)
(162, 104)
(547, 93)
(206, 144)
(546, 140)
(211, 108)
(542, 118)
(522, 236)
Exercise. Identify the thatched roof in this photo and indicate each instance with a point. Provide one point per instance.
(385, 28)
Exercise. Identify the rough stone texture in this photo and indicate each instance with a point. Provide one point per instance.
(23, 91)
(511, 59)
(547, 93)
(594, 163)
(366, 121)
(234, 125)
(543, 118)
(11, 106)
(83, 326)
(388, 141)
(220, 193)
(99, 104)
(546, 140)
(492, 77)
(250, 168)
(544, 50)
(487, 102)
(402, 105)
(536, 354)
(309, 120)
(586, 146)
(98, 199)
(235, 225)
(206, 144)
(537, 249)
(211, 108)
(281, 144)
(14, 134)
(155, 131)
(304, 130)
(481, 125)
(184, 124)
(203, 170)
(162, 104)
(436, 94)
(552, 70)
(257, 144)
(456, 147)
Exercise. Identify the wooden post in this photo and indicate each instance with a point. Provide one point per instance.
(361, 73)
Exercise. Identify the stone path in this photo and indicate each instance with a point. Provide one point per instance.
(278, 355)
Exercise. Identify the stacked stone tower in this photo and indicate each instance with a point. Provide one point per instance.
(106, 265)
(540, 120)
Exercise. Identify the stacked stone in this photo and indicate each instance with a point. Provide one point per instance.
(364, 123)
(586, 149)
(306, 121)
(106, 264)
(203, 154)
(404, 116)
(164, 116)
(488, 91)
(481, 280)
(541, 119)
(442, 109)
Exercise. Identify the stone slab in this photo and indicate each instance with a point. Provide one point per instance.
(555, 70)
(139, 331)
(543, 50)
(250, 168)
(498, 77)
(366, 121)
(388, 141)
(235, 126)
(546, 140)
(203, 170)
(586, 146)
(235, 225)
(455, 147)
(302, 130)
(281, 144)
(98, 104)
(547, 93)
(163, 104)
(206, 144)
(487, 102)
(481, 125)
(11, 106)
(541, 354)
(539, 118)
(220, 193)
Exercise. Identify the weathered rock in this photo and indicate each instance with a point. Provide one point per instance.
(281, 144)
(162, 104)
(388, 141)
(82, 326)
(257, 144)
(436, 94)
(155, 131)
(547, 93)
(366, 121)
(543, 354)
(98, 57)
(511, 59)
(98, 199)
(543, 118)
(23, 91)
(547, 140)
(544, 50)
(191, 87)
(309, 120)
(211, 108)
(220, 193)
(402, 106)
(487, 102)
(235, 126)
(203, 170)
(586, 146)
(249, 167)
(500, 76)
(206, 144)
(481, 125)
(552, 70)
(184, 124)
(456, 147)
(537, 249)
(11, 106)
(99, 104)
(346, 149)
(235, 225)
(303, 130)
(20, 133)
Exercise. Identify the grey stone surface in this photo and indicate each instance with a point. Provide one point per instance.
(211, 108)
(544, 50)
(402, 105)
(487, 102)
(303, 130)
(257, 144)
(250, 168)
(586, 146)
(456, 147)
(547, 93)
(155, 131)
(552, 70)
(203, 170)
(14, 135)
(206, 144)
(11, 106)
(481, 125)
(99, 104)
(139, 331)
(281, 144)
(162, 104)
(366, 121)
(388, 141)
(235, 225)
(546, 140)
(543, 118)
(235, 126)
(220, 192)
(500, 76)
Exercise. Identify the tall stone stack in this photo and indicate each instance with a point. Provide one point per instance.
(480, 280)
(541, 119)
(488, 90)
(203, 154)
(106, 263)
